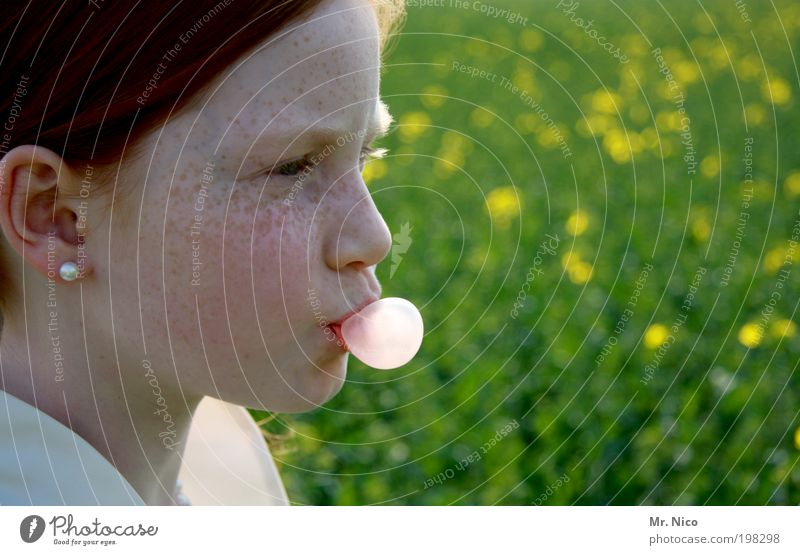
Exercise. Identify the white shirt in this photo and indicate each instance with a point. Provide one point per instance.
(42, 462)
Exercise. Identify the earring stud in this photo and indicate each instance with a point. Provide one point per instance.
(68, 271)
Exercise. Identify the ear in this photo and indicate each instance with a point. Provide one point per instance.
(39, 208)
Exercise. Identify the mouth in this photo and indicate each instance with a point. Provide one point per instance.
(336, 329)
(336, 326)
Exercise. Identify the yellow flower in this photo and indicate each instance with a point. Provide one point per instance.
(375, 169)
(783, 328)
(650, 138)
(755, 113)
(664, 90)
(578, 270)
(527, 122)
(442, 169)
(596, 124)
(606, 102)
(655, 335)
(628, 84)
(774, 260)
(618, 145)
(776, 91)
(481, 118)
(668, 121)
(792, 184)
(447, 162)
(720, 55)
(503, 204)
(700, 226)
(686, 71)
(523, 78)
(452, 140)
(709, 167)
(551, 137)
(797, 438)
(452, 154)
(750, 335)
(478, 49)
(701, 229)
(477, 260)
(702, 22)
(433, 96)
(749, 67)
(412, 125)
(531, 40)
(577, 222)
(635, 142)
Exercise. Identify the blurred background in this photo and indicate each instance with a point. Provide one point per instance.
(594, 205)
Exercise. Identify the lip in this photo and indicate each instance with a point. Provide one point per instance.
(336, 326)
(357, 309)
(337, 331)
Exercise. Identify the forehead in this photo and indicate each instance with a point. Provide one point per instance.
(323, 69)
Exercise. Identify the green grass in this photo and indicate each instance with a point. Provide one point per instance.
(681, 437)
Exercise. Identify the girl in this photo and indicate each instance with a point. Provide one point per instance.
(182, 215)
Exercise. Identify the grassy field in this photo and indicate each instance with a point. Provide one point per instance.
(594, 207)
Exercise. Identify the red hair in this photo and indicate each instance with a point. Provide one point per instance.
(89, 66)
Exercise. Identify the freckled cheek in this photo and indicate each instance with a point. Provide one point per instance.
(280, 257)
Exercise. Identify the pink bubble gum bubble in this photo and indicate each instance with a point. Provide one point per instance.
(385, 334)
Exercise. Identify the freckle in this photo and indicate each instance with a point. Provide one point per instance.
(183, 177)
(296, 43)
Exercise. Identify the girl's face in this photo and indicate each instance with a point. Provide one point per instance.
(230, 273)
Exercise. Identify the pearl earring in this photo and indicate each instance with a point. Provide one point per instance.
(68, 271)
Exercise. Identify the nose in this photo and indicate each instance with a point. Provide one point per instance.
(357, 236)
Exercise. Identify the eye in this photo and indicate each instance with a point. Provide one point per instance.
(295, 166)
(307, 163)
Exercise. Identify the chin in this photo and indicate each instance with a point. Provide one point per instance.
(321, 383)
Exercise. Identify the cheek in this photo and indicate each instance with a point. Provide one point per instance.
(245, 256)
(283, 256)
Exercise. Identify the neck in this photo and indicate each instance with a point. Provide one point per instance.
(125, 409)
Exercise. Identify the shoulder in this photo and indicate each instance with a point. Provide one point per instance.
(45, 463)
(226, 460)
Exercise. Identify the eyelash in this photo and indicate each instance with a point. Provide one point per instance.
(369, 152)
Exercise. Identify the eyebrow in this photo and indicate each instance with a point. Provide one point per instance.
(377, 128)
